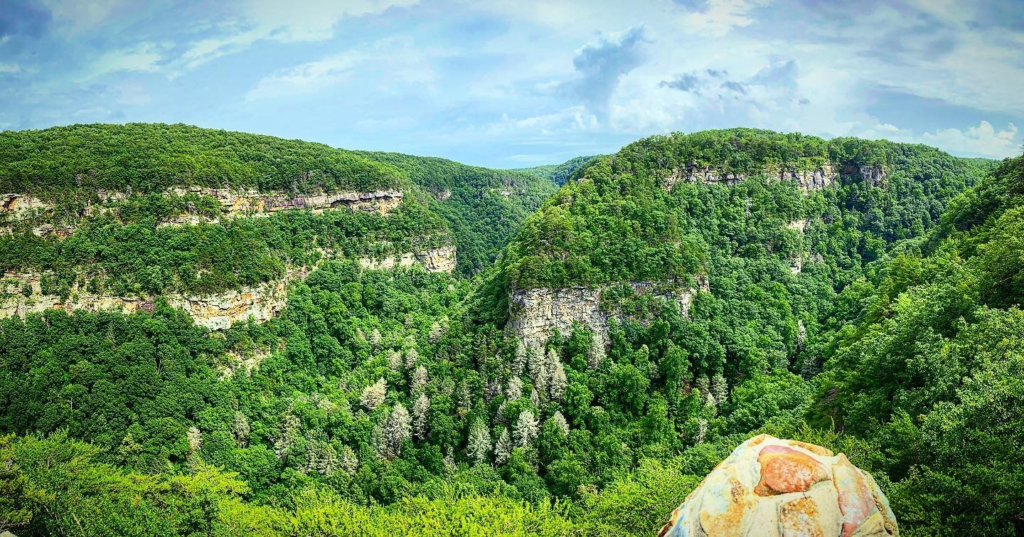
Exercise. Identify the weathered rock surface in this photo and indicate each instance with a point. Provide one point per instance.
(441, 259)
(873, 175)
(233, 203)
(535, 313)
(780, 488)
(807, 180)
(216, 311)
(17, 206)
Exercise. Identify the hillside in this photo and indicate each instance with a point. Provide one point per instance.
(113, 217)
(666, 304)
(559, 173)
(483, 207)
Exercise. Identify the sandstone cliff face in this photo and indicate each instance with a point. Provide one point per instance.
(233, 203)
(773, 488)
(872, 175)
(441, 259)
(535, 313)
(806, 180)
(216, 311)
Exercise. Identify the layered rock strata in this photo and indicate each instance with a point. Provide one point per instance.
(770, 487)
(536, 313)
(21, 294)
(215, 311)
(806, 180)
(441, 259)
(233, 203)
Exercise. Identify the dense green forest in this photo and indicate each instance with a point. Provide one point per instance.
(483, 207)
(559, 173)
(141, 157)
(125, 250)
(881, 320)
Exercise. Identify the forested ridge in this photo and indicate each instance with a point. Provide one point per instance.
(880, 319)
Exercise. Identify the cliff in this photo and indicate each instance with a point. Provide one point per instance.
(534, 314)
(232, 203)
(806, 180)
(216, 311)
(435, 260)
(22, 294)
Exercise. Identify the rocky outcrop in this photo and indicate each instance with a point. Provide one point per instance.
(16, 207)
(873, 175)
(441, 259)
(233, 203)
(800, 225)
(773, 488)
(215, 311)
(534, 314)
(252, 202)
(806, 180)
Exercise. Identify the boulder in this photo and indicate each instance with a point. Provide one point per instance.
(784, 488)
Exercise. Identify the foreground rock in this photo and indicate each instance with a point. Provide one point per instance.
(781, 488)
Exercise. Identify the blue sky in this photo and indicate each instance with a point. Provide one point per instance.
(512, 83)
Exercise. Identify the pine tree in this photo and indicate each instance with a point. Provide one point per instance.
(397, 429)
(479, 444)
(375, 394)
(420, 378)
(559, 421)
(348, 462)
(195, 439)
(539, 370)
(558, 382)
(436, 332)
(526, 429)
(288, 436)
(515, 388)
(411, 356)
(503, 447)
(465, 399)
(596, 354)
(240, 429)
(394, 360)
(320, 455)
(719, 388)
(519, 361)
(419, 416)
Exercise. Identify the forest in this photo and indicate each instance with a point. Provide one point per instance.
(877, 318)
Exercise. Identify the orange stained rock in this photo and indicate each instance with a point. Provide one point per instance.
(728, 508)
(855, 500)
(785, 470)
(799, 518)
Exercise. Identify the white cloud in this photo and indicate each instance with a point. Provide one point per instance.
(291, 21)
(389, 62)
(9, 68)
(144, 57)
(983, 140)
(721, 16)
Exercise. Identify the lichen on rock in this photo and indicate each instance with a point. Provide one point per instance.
(772, 487)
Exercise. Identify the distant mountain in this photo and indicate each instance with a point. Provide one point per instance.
(559, 173)
(483, 207)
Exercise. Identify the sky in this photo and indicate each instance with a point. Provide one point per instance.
(516, 83)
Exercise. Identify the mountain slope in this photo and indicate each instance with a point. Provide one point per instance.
(482, 207)
(559, 173)
(665, 305)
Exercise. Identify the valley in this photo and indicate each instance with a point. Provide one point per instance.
(213, 332)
